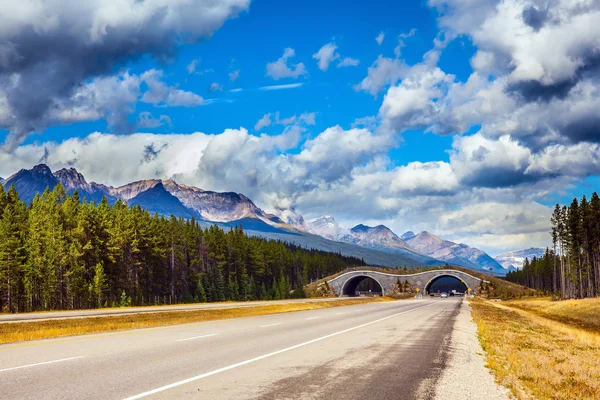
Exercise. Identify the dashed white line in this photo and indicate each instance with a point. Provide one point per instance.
(197, 337)
(42, 363)
(308, 319)
(252, 360)
(266, 326)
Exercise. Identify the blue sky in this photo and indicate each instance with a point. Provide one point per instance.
(249, 42)
(468, 120)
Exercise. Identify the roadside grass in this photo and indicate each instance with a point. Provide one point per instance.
(23, 331)
(537, 357)
(583, 313)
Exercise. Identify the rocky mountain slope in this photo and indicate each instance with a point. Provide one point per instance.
(452, 253)
(516, 259)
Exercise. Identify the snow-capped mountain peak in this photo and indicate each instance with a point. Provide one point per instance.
(516, 259)
(325, 226)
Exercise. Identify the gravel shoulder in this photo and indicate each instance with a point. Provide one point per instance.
(465, 375)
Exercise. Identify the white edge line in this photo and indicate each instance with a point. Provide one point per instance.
(197, 337)
(252, 360)
(266, 326)
(42, 363)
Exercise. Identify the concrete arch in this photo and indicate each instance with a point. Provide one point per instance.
(431, 281)
(351, 284)
(419, 280)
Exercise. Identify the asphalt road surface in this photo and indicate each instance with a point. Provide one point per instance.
(391, 350)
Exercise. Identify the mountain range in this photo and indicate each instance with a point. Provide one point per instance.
(516, 259)
(375, 245)
(424, 244)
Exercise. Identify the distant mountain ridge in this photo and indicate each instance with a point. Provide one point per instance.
(452, 253)
(376, 245)
(227, 209)
(516, 259)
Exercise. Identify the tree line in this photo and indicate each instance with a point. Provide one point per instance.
(61, 252)
(571, 269)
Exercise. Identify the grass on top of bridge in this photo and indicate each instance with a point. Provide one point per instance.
(496, 288)
(537, 357)
(23, 331)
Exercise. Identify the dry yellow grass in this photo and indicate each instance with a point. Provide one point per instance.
(536, 357)
(582, 313)
(23, 331)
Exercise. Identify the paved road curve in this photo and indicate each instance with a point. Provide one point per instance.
(392, 350)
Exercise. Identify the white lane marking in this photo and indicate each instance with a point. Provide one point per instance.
(340, 313)
(197, 337)
(255, 359)
(308, 319)
(42, 363)
(266, 326)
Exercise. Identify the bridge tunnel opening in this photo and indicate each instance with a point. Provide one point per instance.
(362, 286)
(446, 283)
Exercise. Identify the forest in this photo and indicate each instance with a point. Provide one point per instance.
(571, 269)
(61, 252)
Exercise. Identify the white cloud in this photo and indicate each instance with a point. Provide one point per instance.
(379, 39)
(281, 69)
(424, 178)
(102, 36)
(269, 119)
(414, 102)
(264, 122)
(282, 87)
(508, 226)
(147, 120)
(216, 87)
(191, 68)
(160, 94)
(326, 55)
(401, 41)
(233, 76)
(348, 62)
(383, 72)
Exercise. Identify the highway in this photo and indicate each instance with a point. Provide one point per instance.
(391, 350)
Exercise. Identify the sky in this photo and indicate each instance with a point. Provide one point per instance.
(469, 119)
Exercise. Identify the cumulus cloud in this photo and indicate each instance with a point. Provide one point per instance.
(491, 222)
(384, 71)
(380, 38)
(326, 55)
(282, 68)
(46, 63)
(414, 102)
(348, 62)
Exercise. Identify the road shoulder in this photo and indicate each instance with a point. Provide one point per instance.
(465, 375)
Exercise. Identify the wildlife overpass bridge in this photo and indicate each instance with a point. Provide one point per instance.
(347, 283)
